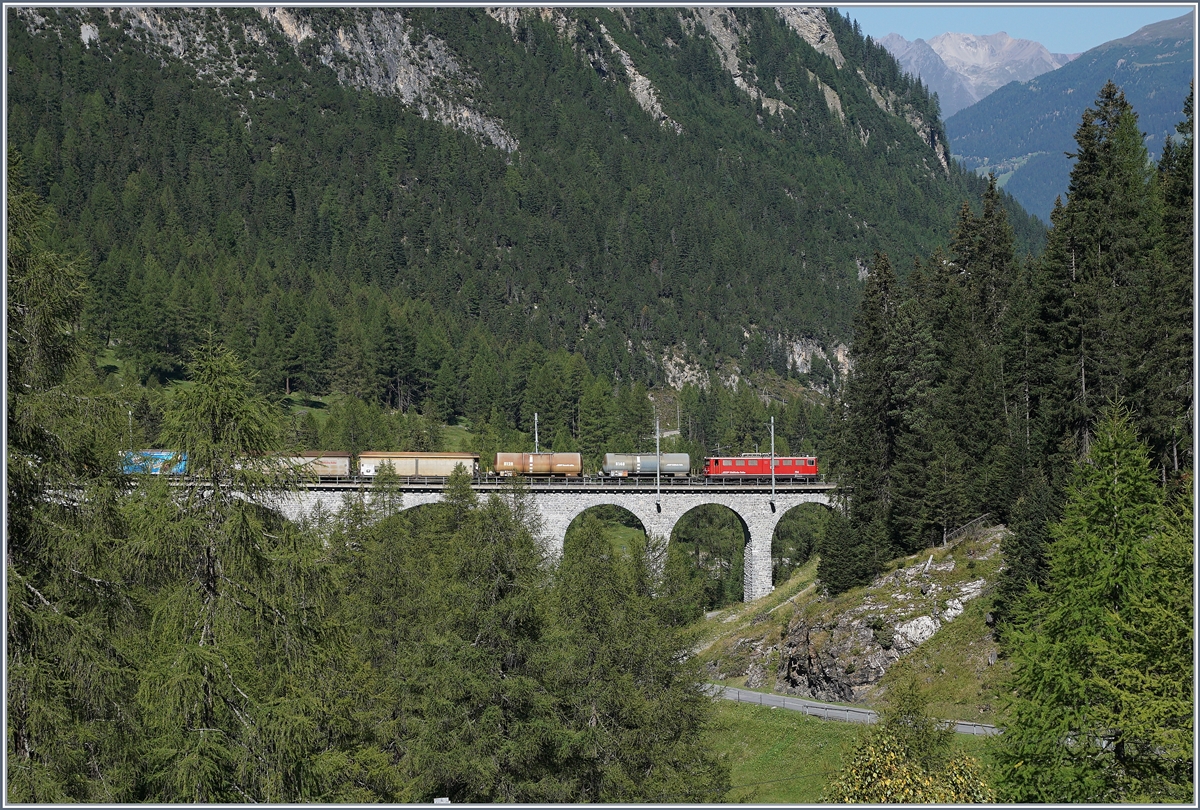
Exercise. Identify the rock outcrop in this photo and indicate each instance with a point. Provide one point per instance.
(839, 648)
(841, 656)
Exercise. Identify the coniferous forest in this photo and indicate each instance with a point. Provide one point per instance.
(240, 268)
(1056, 395)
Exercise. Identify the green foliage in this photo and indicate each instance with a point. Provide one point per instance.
(907, 757)
(1102, 661)
(228, 684)
(343, 242)
(485, 726)
(798, 535)
(978, 380)
(1099, 319)
(630, 695)
(714, 539)
(68, 616)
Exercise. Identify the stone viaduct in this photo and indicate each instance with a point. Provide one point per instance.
(559, 504)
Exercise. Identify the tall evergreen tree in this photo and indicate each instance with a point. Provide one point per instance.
(1169, 403)
(627, 690)
(485, 726)
(868, 426)
(1099, 320)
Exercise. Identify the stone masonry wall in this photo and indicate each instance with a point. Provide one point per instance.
(658, 517)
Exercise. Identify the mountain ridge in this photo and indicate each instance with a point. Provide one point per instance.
(964, 68)
(631, 185)
(1023, 131)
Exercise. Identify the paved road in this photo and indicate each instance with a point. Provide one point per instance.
(827, 711)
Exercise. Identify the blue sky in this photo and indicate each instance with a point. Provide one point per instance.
(1066, 28)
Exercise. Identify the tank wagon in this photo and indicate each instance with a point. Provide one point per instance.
(569, 464)
(621, 465)
(412, 465)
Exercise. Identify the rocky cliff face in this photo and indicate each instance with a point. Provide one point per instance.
(839, 658)
(370, 49)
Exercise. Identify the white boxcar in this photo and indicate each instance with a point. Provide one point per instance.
(417, 465)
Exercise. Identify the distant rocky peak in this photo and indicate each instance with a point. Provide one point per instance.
(964, 68)
(992, 61)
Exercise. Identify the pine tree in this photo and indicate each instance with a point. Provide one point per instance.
(1098, 253)
(595, 418)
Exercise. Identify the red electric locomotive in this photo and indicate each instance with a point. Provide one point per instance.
(795, 468)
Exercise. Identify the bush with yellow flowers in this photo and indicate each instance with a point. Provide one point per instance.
(906, 758)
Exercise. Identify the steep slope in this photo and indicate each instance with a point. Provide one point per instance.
(964, 68)
(1022, 131)
(313, 183)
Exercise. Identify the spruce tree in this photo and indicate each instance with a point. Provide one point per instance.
(868, 428)
(1169, 404)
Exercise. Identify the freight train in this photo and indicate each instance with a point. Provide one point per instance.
(332, 464)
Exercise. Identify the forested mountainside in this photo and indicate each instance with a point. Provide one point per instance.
(369, 200)
(1023, 132)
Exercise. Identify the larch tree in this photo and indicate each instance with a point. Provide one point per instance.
(237, 602)
(482, 725)
(69, 673)
(626, 689)
(1102, 653)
